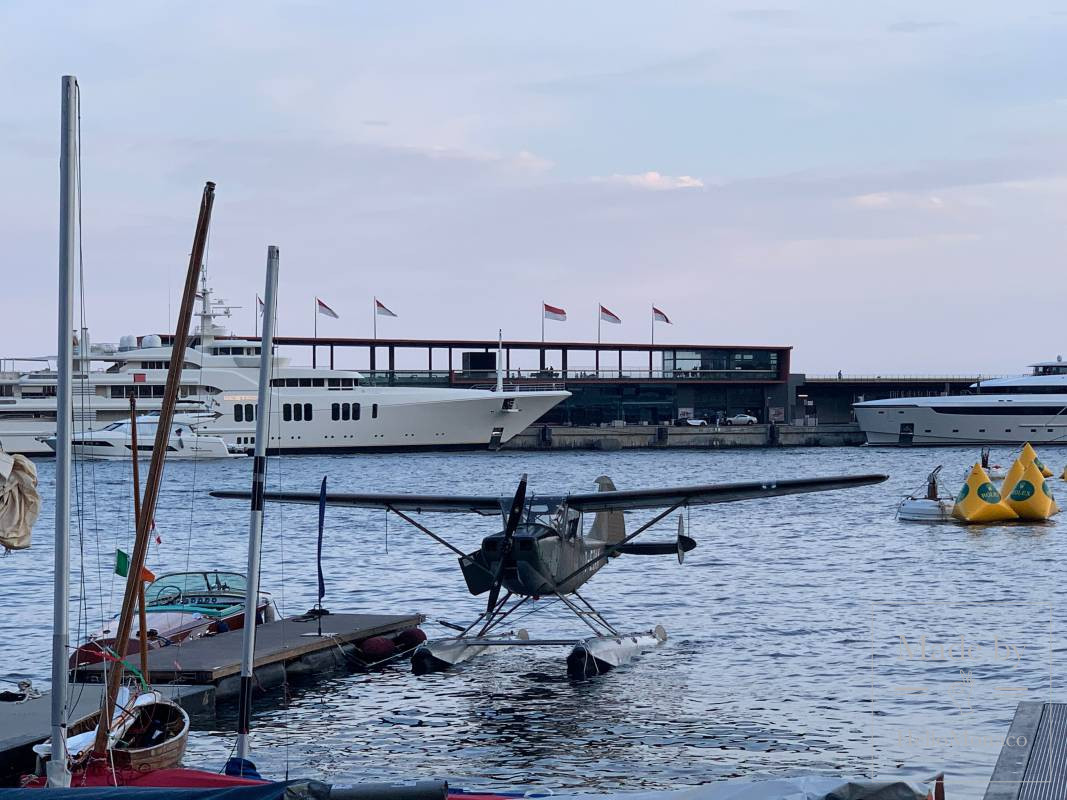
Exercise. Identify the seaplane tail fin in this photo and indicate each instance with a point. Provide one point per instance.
(608, 526)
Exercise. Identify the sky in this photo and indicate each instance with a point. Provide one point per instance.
(882, 186)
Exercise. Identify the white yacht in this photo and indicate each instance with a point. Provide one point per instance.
(1028, 408)
(313, 410)
(186, 441)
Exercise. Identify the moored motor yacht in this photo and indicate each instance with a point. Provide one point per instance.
(1009, 411)
(180, 606)
(312, 410)
(116, 440)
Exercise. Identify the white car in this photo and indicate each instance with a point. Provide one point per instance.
(740, 419)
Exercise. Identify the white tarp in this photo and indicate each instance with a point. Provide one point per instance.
(19, 502)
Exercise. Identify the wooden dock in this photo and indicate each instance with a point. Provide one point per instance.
(1033, 760)
(287, 647)
(22, 725)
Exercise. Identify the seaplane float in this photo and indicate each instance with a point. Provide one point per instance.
(544, 551)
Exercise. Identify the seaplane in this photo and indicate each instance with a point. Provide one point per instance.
(545, 551)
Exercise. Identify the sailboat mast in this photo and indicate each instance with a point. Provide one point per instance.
(58, 771)
(159, 452)
(255, 522)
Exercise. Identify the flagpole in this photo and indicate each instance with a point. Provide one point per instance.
(542, 322)
(256, 320)
(374, 317)
(315, 345)
(598, 323)
(653, 326)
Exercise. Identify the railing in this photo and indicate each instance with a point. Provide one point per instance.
(617, 374)
(525, 387)
(845, 376)
(406, 377)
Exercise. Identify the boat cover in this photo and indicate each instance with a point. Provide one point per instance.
(19, 502)
(804, 787)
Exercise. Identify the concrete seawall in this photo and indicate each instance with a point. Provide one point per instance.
(562, 437)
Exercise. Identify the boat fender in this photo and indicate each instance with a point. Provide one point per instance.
(979, 500)
(377, 648)
(1063, 476)
(242, 768)
(410, 638)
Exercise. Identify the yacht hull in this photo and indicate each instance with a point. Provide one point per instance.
(390, 421)
(912, 425)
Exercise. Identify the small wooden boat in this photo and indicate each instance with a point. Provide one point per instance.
(147, 732)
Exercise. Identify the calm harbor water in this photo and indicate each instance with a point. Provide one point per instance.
(811, 633)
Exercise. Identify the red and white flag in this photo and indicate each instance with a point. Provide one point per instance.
(259, 304)
(608, 316)
(558, 314)
(659, 316)
(325, 310)
(379, 308)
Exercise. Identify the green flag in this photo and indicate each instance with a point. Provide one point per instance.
(122, 563)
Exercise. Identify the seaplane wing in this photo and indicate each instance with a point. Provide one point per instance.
(711, 493)
(457, 503)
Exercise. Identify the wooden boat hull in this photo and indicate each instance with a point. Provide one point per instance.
(148, 732)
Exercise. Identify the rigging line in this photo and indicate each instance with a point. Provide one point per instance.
(286, 707)
(78, 472)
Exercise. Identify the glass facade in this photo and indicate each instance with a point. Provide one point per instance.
(720, 363)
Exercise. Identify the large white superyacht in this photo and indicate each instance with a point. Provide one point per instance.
(1028, 408)
(313, 410)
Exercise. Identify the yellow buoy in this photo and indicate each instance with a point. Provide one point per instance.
(1030, 454)
(1031, 498)
(1016, 472)
(979, 500)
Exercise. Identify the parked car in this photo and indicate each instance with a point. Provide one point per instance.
(741, 419)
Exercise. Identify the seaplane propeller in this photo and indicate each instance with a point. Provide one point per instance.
(506, 546)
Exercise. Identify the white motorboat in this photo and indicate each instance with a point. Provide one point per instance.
(116, 441)
(931, 507)
(1007, 411)
(312, 410)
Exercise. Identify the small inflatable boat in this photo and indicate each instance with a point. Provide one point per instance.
(930, 507)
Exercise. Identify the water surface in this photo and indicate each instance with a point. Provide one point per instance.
(785, 653)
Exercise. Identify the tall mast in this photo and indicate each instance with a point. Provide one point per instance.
(159, 452)
(58, 771)
(255, 520)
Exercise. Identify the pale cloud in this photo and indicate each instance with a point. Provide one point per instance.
(655, 181)
(898, 200)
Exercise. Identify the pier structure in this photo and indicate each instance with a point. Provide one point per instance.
(628, 383)
(610, 382)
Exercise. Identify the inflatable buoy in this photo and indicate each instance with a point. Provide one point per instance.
(1016, 472)
(1030, 498)
(979, 500)
(1029, 454)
